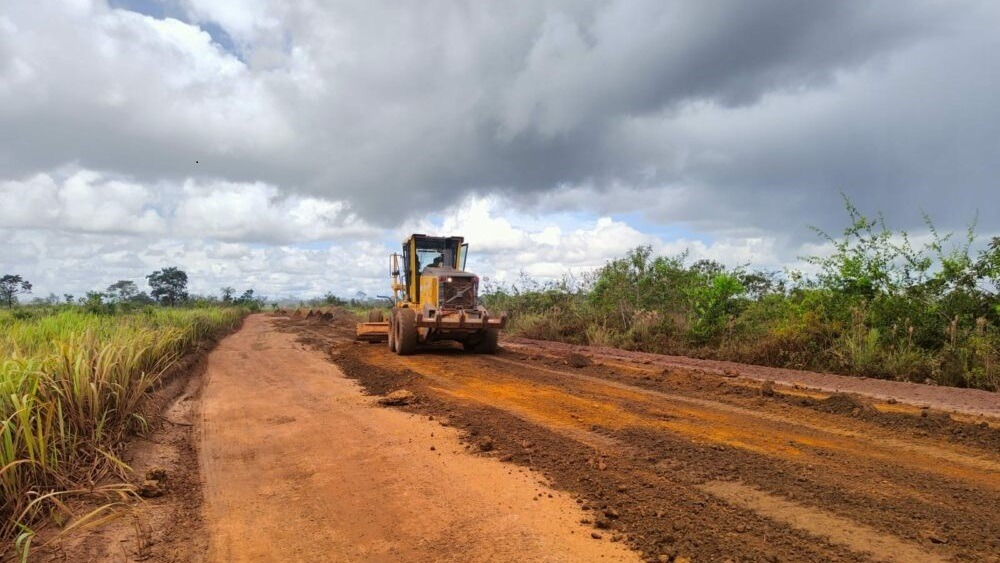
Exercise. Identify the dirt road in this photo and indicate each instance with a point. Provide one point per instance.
(297, 465)
(688, 463)
(279, 451)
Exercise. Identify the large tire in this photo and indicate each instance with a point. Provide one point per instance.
(488, 345)
(375, 316)
(406, 332)
(392, 331)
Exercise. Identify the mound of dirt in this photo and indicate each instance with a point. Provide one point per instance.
(485, 445)
(842, 403)
(397, 398)
(578, 360)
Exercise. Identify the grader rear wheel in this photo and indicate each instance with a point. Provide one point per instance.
(375, 316)
(488, 344)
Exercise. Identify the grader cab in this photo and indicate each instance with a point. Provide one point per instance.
(433, 299)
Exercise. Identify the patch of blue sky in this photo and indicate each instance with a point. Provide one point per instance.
(566, 221)
(667, 232)
(162, 9)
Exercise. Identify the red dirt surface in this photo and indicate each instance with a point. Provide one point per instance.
(968, 401)
(703, 464)
(547, 452)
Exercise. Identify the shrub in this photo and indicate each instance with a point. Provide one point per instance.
(878, 307)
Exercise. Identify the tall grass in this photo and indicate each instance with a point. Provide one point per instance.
(72, 386)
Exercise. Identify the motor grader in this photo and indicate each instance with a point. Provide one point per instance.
(435, 300)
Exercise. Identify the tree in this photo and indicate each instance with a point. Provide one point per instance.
(68, 297)
(123, 291)
(227, 294)
(248, 299)
(330, 299)
(11, 286)
(169, 286)
(988, 264)
(94, 302)
(143, 298)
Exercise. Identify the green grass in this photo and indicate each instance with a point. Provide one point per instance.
(72, 387)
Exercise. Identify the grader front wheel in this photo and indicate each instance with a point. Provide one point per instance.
(406, 332)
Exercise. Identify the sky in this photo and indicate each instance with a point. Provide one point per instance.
(290, 145)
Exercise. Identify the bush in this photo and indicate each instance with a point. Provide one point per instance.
(878, 307)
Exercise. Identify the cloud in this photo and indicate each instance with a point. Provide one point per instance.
(90, 201)
(259, 212)
(504, 244)
(554, 134)
(82, 201)
(773, 98)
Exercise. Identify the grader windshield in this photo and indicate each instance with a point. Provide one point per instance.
(422, 251)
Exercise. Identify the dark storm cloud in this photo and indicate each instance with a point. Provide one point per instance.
(750, 112)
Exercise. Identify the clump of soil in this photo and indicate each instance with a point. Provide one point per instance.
(578, 360)
(151, 488)
(842, 403)
(397, 398)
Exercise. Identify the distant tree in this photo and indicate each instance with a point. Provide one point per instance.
(68, 297)
(10, 286)
(330, 299)
(94, 302)
(227, 294)
(123, 291)
(249, 299)
(169, 286)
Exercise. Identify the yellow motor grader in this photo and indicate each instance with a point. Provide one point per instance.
(435, 300)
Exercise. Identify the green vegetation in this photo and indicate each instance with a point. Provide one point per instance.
(876, 306)
(10, 286)
(72, 384)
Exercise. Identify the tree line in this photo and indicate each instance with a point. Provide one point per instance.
(167, 287)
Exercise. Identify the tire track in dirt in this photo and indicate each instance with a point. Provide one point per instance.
(967, 459)
(819, 523)
(971, 401)
(935, 493)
